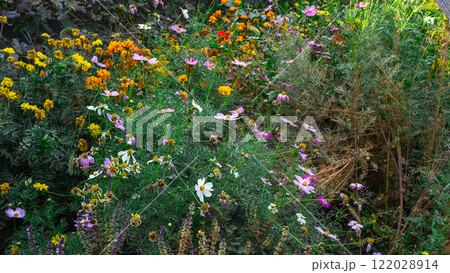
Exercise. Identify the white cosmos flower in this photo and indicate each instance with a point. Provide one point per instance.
(273, 208)
(197, 106)
(94, 175)
(127, 155)
(100, 109)
(203, 189)
(185, 13)
(301, 219)
(145, 26)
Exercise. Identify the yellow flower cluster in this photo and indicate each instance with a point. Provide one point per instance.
(38, 113)
(40, 187)
(57, 238)
(8, 50)
(48, 104)
(81, 62)
(224, 90)
(4, 188)
(3, 20)
(6, 84)
(95, 130)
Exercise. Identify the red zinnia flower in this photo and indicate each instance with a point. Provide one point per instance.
(222, 34)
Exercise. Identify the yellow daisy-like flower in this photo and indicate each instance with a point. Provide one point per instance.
(7, 82)
(97, 43)
(135, 220)
(14, 249)
(75, 32)
(45, 35)
(39, 114)
(3, 20)
(95, 130)
(224, 90)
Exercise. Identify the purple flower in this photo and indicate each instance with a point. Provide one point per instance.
(266, 181)
(95, 60)
(156, 2)
(285, 120)
(238, 111)
(237, 62)
(213, 138)
(115, 119)
(133, 9)
(310, 11)
(168, 110)
(282, 97)
(323, 201)
(261, 134)
(304, 184)
(138, 57)
(209, 65)
(130, 139)
(368, 248)
(327, 233)
(110, 94)
(17, 213)
(86, 159)
(191, 61)
(309, 127)
(356, 185)
(226, 117)
(355, 225)
(177, 29)
(377, 253)
(285, 84)
(362, 5)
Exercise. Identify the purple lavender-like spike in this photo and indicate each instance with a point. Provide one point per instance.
(49, 248)
(33, 242)
(60, 247)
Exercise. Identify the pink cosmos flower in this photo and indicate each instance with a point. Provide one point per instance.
(261, 134)
(282, 97)
(358, 204)
(138, 57)
(323, 201)
(304, 184)
(110, 167)
(116, 121)
(237, 62)
(226, 117)
(95, 60)
(266, 181)
(310, 11)
(362, 5)
(209, 65)
(130, 139)
(133, 9)
(327, 233)
(168, 110)
(177, 29)
(368, 248)
(285, 84)
(17, 213)
(238, 111)
(156, 2)
(289, 61)
(320, 52)
(86, 159)
(355, 225)
(214, 138)
(191, 61)
(110, 94)
(309, 127)
(152, 61)
(356, 185)
(285, 120)
(308, 171)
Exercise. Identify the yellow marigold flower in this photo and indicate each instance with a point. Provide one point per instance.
(31, 54)
(212, 19)
(223, 2)
(58, 54)
(267, 24)
(95, 130)
(79, 121)
(237, 2)
(103, 74)
(11, 59)
(30, 67)
(232, 9)
(48, 104)
(97, 42)
(20, 64)
(4, 188)
(39, 114)
(82, 145)
(57, 238)
(7, 82)
(425, 253)
(92, 82)
(45, 35)
(75, 32)
(40, 187)
(224, 90)
(8, 50)
(182, 78)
